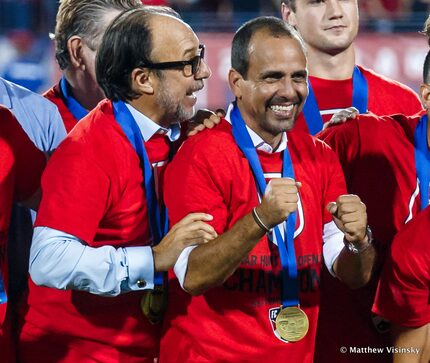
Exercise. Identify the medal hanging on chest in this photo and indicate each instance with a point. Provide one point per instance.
(291, 322)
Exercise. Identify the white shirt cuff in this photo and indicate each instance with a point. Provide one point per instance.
(181, 265)
(140, 262)
(333, 245)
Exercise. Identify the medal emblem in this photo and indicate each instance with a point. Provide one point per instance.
(292, 324)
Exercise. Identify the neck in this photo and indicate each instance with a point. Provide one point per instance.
(335, 67)
(148, 111)
(268, 138)
(83, 90)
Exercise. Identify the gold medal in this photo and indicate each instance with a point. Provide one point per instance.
(154, 304)
(292, 324)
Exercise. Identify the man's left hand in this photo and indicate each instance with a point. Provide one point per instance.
(349, 214)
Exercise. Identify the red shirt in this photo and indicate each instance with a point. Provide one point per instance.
(404, 289)
(55, 96)
(377, 157)
(21, 166)
(385, 97)
(210, 174)
(92, 189)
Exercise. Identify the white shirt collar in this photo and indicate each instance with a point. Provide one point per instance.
(258, 142)
(149, 128)
(5, 98)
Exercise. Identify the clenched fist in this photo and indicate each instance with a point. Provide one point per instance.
(349, 214)
(279, 200)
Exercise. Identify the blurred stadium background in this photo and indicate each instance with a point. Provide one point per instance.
(389, 40)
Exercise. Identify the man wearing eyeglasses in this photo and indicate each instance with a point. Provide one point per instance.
(102, 212)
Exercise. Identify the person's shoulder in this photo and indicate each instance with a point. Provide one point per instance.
(53, 95)
(379, 79)
(28, 98)
(363, 121)
(219, 138)
(307, 144)
(97, 124)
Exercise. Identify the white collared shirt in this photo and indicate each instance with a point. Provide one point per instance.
(149, 128)
(258, 142)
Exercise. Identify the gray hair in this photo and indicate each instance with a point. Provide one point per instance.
(84, 18)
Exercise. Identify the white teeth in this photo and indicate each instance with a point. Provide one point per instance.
(281, 108)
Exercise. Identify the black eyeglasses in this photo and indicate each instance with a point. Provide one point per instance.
(190, 67)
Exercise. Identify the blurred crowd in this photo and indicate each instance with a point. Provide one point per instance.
(221, 15)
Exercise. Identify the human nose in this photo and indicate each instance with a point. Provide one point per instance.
(204, 71)
(288, 89)
(334, 9)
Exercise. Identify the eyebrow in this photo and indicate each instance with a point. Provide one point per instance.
(302, 73)
(191, 51)
(272, 74)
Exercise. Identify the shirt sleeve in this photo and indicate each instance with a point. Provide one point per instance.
(333, 245)
(200, 175)
(403, 294)
(28, 161)
(63, 261)
(75, 191)
(344, 139)
(333, 181)
(38, 117)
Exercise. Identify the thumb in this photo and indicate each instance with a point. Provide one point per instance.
(332, 208)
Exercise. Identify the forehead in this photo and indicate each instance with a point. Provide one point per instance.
(172, 34)
(267, 52)
(309, 3)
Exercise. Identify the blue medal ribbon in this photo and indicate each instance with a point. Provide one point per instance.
(74, 107)
(422, 160)
(3, 295)
(290, 287)
(311, 110)
(158, 221)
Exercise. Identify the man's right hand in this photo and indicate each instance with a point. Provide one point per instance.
(280, 199)
(191, 230)
(342, 116)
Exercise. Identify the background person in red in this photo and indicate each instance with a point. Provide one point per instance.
(329, 28)
(80, 25)
(404, 290)
(234, 282)
(392, 153)
(79, 29)
(94, 230)
(21, 166)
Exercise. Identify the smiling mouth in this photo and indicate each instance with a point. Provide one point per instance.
(283, 111)
(281, 108)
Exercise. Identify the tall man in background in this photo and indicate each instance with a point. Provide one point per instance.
(392, 151)
(329, 29)
(336, 82)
